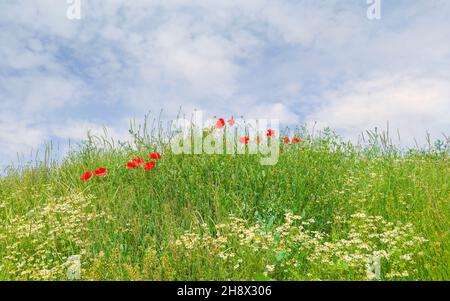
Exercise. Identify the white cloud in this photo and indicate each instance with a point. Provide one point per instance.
(44, 16)
(77, 130)
(413, 105)
(277, 111)
(258, 58)
(38, 94)
(18, 137)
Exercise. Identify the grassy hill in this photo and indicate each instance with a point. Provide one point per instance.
(327, 210)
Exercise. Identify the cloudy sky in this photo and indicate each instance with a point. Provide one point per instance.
(299, 61)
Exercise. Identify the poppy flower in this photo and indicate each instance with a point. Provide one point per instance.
(149, 166)
(286, 140)
(156, 156)
(86, 176)
(296, 140)
(231, 121)
(138, 161)
(101, 172)
(244, 140)
(132, 164)
(220, 123)
(270, 133)
(258, 140)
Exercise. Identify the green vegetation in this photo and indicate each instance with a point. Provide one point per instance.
(328, 210)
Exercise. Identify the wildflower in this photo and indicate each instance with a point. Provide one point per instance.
(135, 163)
(220, 123)
(286, 140)
(406, 257)
(149, 166)
(86, 176)
(231, 121)
(270, 133)
(132, 164)
(296, 140)
(156, 156)
(101, 172)
(139, 161)
(258, 140)
(244, 140)
(270, 268)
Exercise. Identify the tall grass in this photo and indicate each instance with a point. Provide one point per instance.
(327, 210)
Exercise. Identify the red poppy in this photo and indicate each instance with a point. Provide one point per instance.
(156, 156)
(86, 176)
(101, 172)
(149, 166)
(286, 140)
(231, 121)
(244, 140)
(296, 140)
(270, 133)
(132, 164)
(138, 161)
(220, 123)
(258, 140)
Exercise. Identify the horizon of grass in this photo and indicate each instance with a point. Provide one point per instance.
(328, 210)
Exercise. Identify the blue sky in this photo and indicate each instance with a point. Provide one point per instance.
(298, 61)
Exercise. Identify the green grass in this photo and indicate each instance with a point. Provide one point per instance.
(202, 217)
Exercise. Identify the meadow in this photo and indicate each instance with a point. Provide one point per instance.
(328, 210)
